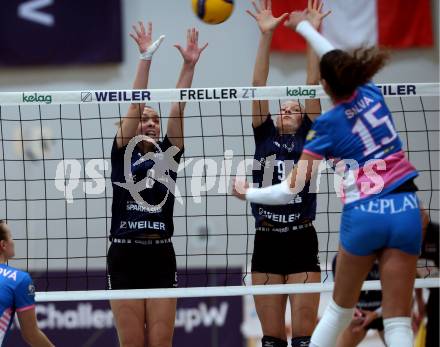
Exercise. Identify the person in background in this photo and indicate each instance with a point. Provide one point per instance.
(285, 248)
(17, 295)
(141, 254)
(359, 130)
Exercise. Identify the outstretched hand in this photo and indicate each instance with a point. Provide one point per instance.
(295, 18)
(191, 53)
(313, 13)
(141, 36)
(264, 17)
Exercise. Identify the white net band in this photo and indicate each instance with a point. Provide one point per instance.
(199, 94)
(211, 291)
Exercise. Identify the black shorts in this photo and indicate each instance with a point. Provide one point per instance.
(286, 253)
(141, 266)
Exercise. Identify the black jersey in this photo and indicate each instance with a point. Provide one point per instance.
(154, 216)
(369, 300)
(277, 155)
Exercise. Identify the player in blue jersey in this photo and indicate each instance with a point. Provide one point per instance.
(17, 295)
(286, 244)
(144, 171)
(378, 186)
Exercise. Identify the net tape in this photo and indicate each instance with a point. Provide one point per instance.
(199, 94)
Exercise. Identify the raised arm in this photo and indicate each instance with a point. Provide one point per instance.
(190, 55)
(267, 23)
(29, 329)
(142, 37)
(314, 9)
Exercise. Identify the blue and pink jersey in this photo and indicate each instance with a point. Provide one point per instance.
(360, 131)
(17, 293)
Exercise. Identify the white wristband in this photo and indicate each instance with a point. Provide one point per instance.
(148, 54)
(278, 194)
(318, 42)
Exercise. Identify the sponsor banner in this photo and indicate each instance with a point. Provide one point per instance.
(56, 32)
(200, 94)
(199, 321)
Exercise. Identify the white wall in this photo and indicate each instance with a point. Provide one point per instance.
(228, 61)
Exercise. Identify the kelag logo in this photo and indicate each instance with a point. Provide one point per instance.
(32, 98)
(301, 92)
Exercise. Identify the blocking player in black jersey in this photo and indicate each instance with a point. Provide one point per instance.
(144, 169)
(286, 245)
(367, 315)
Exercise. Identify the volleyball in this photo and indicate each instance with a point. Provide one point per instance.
(213, 11)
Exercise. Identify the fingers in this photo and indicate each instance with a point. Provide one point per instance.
(282, 17)
(321, 5)
(179, 48)
(239, 187)
(315, 4)
(236, 190)
(269, 5)
(141, 28)
(255, 7)
(134, 38)
(138, 33)
(150, 29)
(203, 48)
(309, 4)
(251, 14)
(326, 14)
(193, 36)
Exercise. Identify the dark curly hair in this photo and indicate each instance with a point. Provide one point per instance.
(344, 72)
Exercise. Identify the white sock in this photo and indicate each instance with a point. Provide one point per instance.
(398, 332)
(333, 321)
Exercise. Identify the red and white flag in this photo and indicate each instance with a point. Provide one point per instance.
(355, 23)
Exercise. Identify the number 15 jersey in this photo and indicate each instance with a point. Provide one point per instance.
(361, 132)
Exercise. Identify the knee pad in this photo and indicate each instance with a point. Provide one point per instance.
(301, 341)
(269, 341)
(398, 332)
(333, 321)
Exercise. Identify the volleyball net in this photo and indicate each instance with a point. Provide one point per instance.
(56, 194)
